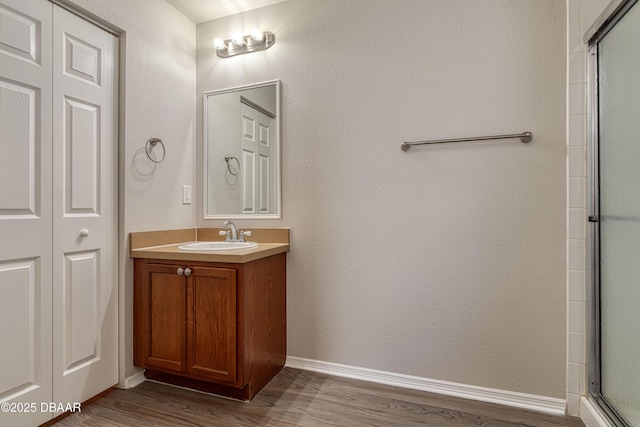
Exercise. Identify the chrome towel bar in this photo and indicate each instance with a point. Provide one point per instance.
(524, 137)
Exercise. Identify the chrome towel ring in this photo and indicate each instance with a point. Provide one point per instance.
(153, 142)
(227, 158)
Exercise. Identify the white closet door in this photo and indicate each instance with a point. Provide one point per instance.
(25, 209)
(257, 161)
(85, 309)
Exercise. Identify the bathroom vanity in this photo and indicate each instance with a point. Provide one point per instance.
(213, 321)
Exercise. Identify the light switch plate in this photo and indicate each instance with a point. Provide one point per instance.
(186, 194)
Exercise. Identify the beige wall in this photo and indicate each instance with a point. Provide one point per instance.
(158, 100)
(446, 262)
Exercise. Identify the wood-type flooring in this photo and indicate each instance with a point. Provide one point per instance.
(302, 398)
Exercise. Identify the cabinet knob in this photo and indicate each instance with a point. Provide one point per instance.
(187, 272)
(181, 271)
(84, 233)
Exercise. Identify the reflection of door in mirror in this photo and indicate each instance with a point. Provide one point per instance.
(257, 154)
(242, 123)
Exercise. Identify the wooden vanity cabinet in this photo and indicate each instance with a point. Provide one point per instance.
(214, 327)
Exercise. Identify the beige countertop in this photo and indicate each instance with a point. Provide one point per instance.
(164, 245)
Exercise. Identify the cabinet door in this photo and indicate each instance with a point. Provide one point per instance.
(212, 324)
(162, 303)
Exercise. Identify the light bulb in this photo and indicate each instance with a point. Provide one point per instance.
(257, 35)
(219, 44)
(237, 39)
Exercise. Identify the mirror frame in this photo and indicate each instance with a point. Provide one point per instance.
(277, 137)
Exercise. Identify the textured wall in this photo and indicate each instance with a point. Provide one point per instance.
(159, 100)
(159, 86)
(447, 262)
(590, 10)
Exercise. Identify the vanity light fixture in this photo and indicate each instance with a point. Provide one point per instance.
(257, 34)
(237, 39)
(239, 44)
(219, 44)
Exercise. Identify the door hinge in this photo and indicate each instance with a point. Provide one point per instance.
(594, 218)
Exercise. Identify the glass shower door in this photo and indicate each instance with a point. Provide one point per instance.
(618, 59)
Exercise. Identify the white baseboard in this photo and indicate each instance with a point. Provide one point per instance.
(134, 380)
(533, 402)
(591, 415)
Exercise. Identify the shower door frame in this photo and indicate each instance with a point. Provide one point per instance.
(612, 14)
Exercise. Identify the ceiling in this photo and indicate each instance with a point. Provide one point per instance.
(206, 10)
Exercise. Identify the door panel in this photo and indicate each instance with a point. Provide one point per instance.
(85, 298)
(82, 158)
(248, 181)
(81, 302)
(82, 60)
(265, 184)
(21, 30)
(19, 292)
(25, 207)
(18, 172)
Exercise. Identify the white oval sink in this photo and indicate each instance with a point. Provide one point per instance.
(216, 246)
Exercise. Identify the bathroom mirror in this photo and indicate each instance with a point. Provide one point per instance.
(242, 152)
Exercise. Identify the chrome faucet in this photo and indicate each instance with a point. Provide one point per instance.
(233, 236)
